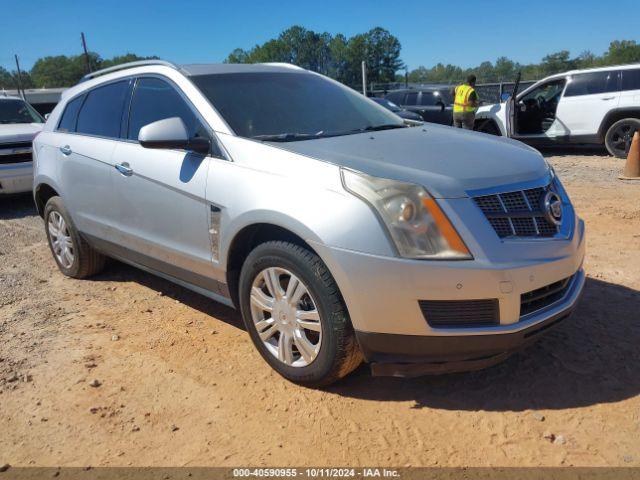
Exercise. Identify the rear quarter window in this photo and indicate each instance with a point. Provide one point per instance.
(101, 113)
(70, 115)
(631, 79)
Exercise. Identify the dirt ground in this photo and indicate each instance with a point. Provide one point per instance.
(181, 384)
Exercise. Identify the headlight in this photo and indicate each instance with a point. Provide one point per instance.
(415, 222)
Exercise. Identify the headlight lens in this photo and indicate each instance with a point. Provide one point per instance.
(417, 225)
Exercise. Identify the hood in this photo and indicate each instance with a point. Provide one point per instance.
(19, 132)
(449, 162)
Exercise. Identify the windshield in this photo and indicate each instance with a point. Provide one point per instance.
(288, 106)
(18, 111)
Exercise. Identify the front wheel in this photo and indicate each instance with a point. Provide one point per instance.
(618, 137)
(295, 315)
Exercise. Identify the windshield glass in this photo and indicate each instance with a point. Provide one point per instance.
(18, 111)
(291, 106)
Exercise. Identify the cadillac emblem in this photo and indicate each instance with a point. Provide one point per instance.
(552, 207)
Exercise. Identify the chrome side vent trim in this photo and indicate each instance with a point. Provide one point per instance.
(215, 213)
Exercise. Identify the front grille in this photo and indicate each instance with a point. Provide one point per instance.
(15, 158)
(460, 313)
(7, 154)
(543, 297)
(517, 214)
(15, 145)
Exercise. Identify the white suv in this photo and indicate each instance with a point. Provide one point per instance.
(19, 124)
(596, 106)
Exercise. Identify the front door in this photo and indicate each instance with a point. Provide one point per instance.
(163, 215)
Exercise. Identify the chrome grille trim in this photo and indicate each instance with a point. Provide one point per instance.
(517, 213)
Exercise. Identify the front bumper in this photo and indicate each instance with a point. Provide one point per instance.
(382, 295)
(414, 355)
(16, 178)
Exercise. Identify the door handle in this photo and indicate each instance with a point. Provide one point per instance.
(66, 150)
(124, 169)
(607, 98)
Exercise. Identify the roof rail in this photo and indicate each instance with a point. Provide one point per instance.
(124, 66)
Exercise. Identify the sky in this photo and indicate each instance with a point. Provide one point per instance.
(463, 33)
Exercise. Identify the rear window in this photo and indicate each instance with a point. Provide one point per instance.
(631, 79)
(70, 115)
(396, 97)
(101, 113)
(592, 83)
(412, 98)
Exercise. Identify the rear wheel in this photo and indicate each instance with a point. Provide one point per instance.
(618, 137)
(74, 256)
(295, 315)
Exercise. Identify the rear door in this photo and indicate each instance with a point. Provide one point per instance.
(86, 137)
(587, 98)
(163, 217)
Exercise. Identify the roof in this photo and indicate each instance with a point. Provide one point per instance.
(595, 69)
(221, 68)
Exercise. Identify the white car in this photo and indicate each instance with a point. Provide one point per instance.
(19, 124)
(595, 106)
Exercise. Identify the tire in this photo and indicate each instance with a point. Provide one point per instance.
(83, 260)
(334, 345)
(619, 135)
(488, 127)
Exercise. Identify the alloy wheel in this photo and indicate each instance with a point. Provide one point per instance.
(286, 317)
(621, 138)
(61, 242)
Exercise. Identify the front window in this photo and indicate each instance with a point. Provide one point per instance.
(287, 106)
(547, 92)
(18, 111)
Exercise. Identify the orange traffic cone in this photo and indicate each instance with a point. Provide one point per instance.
(632, 167)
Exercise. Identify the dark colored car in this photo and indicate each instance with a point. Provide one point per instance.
(401, 112)
(433, 104)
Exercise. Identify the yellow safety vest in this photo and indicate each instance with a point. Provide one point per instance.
(461, 103)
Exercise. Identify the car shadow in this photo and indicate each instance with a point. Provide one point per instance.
(590, 358)
(17, 206)
(116, 271)
(572, 150)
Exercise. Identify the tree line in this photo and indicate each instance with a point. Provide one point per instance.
(505, 70)
(340, 58)
(61, 70)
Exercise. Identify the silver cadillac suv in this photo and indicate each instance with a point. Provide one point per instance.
(339, 233)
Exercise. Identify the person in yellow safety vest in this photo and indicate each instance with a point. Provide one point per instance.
(465, 104)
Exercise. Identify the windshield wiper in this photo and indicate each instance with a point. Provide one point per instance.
(286, 137)
(375, 128)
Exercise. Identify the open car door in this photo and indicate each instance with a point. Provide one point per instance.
(510, 109)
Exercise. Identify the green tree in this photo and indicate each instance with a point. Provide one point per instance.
(120, 59)
(337, 56)
(621, 52)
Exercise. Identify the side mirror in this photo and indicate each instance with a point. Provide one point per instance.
(441, 105)
(504, 97)
(46, 116)
(171, 133)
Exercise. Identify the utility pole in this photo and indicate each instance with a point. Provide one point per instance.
(86, 53)
(364, 78)
(20, 89)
